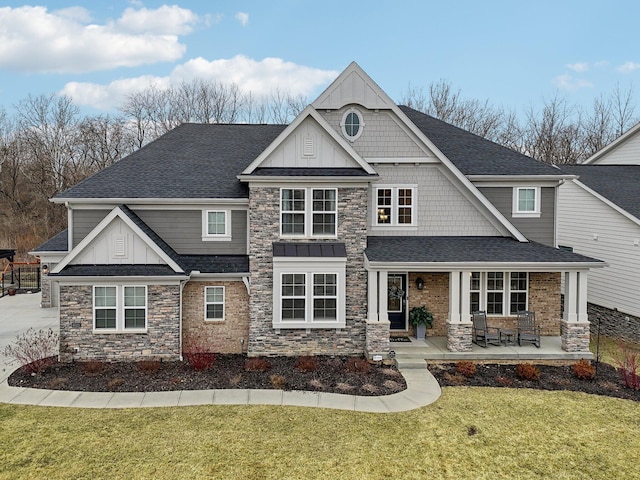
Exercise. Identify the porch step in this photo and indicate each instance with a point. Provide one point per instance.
(411, 363)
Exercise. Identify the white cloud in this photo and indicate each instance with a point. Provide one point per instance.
(258, 77)
(33, 39)
(567, 82)
(243, 18)
(628, 67)
(578, 67)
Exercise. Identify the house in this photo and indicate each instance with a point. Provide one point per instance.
(315, 237)
(599, 215)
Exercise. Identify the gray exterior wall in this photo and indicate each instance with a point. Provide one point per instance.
(539, 229)
(181, 229)
(78, 342)
(352, 230)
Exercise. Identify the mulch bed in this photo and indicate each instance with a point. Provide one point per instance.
(228, 371)
(606, 382)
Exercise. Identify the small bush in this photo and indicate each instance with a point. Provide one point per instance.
(465, 368)
(278, 381)
(456, 379)
(358, 365)
(316, 384)
(504, 381)
(344, 387)
(257, 365)
(149, 366)
(527, 371)
(584, 370)
(34, 349)
(200, 360)
(115, 383)
(628, 368)
(306, 364)
(93, 367)
(369, 388)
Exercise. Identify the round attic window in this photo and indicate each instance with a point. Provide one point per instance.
(352, 124)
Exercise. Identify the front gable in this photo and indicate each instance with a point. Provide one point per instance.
(117, 240)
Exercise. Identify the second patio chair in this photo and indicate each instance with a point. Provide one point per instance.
(483, 334)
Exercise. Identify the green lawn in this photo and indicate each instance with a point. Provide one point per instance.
(519, 434)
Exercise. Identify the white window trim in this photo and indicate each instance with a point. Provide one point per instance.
(208, 237)
(308, 213)
(224, 306)
(120, 310)
(290, 265)
(506, 293)
(516, 212)
(395, 207)
(343, 124)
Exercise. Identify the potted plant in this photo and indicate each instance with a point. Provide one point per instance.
(12, 289)
(421, 319)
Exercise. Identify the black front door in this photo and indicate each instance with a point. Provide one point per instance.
(397, 300)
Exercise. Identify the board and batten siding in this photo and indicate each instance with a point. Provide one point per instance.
(628, 153)
(538, 229)
(442, 209)
(593, 228)
(181, 229)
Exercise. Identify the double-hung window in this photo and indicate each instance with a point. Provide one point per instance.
(120, 308)
(216, 225)
(499, 293)
(395, 206)
(526, 202)
(308, 212)
(214, 303)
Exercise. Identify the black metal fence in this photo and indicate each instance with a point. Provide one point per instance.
(20, 278)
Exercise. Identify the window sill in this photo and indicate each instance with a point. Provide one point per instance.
(308, 237)
(109, 331)
(221, 238)
(214, 320)
(307, 325)
(525, 215)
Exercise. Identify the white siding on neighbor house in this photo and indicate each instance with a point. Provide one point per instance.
(325, 151)
(627, 153)
(441, 209)
(382, 136)
(103, 250)
(593, 228)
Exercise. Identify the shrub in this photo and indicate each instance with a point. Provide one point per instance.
(468, 369)
(257, 365)
(197, 354)
(527, 371)
(584, 370)
(628, 368)
(358, 365)
(115, 383)
(306, 364)
(278, 381)
(92, 367)
(149, 366)
(34, 349)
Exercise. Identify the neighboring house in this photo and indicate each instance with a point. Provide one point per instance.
(316, 237)
(599, 215)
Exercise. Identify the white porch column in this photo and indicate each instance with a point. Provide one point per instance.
(574, 327)
(570, 296)
(582, 297)
(454, 297)
(372, 286)
(383, 316)
(465, 292)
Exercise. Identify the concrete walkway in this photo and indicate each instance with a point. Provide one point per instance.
(20, 312)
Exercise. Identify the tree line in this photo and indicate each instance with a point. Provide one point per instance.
(47, 145)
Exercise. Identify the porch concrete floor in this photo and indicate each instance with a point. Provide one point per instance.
(435, 348)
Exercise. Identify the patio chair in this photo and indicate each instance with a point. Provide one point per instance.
(483, 334)
(528, 331)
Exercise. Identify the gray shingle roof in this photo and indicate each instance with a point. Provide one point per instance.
(57, 243)
(190, 161)
(321, 249)
(474, 155)
(466, 249)
(116, 271)
(618, 183)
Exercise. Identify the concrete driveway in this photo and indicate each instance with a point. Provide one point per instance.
(18, 313)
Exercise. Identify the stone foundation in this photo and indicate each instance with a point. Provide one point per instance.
(459, 336)
(614, 323)
(45, 290)
(377, 341)
(575, 336)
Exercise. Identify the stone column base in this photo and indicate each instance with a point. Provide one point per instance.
(459, 337)
(575, 336)
(377, 339)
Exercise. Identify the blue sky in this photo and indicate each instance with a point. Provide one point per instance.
(511, 53)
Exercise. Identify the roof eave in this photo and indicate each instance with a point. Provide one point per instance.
(475, 266)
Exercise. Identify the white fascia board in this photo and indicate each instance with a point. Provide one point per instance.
(116, 212)
(608, 202)
(164, 203)
(337, 182)
(235, 276)
(483, 266)
(134, 280)
(533, 180)
(593, 159)
(401, 160)
(308, 112)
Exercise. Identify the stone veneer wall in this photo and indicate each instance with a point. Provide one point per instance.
(614, 323)
(264, 211)
(161, 341)
(45, 290)
(434, 296)
(230, 335)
